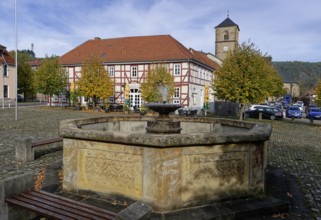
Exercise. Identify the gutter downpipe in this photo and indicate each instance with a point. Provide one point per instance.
(5, 62)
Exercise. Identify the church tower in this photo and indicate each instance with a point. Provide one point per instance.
(227, 37)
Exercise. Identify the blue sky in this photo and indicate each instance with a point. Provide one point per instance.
(288, 30)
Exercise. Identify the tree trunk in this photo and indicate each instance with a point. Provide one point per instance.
(50, 96)
(241, 112)
(94, 102)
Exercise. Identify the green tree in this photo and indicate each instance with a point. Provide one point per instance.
(25, 79)
(25, 73)
(318, 93)
(24, 55)
(151, 89)
(275, 84)
(95, 82)
(50, 78)
(246, 76)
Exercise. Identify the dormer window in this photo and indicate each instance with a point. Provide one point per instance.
(226, 35)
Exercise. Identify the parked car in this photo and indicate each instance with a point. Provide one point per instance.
(187, 112)
(314, 113)
(266, 111)
(253, 107)
(308, 107)
(300, 104)
(20, 98)
(293, 112)
(114, 107)
(285, 104)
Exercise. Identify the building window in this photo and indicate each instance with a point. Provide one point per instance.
(5, 70)
(226, 35)
(177, 92)
(194, 94)
(177, 69)
(111, 70)
(134, 71)
(5, 91)
(167, 67)
(176, 102)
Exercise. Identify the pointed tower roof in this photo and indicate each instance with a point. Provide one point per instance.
(227, 23)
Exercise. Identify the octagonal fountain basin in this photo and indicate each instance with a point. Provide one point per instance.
(210, 160)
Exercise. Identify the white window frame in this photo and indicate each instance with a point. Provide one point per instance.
(167, 67)
(176, 102)
(134, 71)
(111, 70)
(177, 92)
(177, 69)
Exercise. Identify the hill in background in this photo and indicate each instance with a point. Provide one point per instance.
(306, 74)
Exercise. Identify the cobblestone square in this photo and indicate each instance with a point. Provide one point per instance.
(294, 146)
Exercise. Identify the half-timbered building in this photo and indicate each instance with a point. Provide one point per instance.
(128, 61)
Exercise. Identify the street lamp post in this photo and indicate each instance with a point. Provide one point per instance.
(16, 58)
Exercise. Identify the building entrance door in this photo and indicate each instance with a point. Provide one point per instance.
(135, 98)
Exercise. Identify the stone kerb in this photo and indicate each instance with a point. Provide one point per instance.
(136, 211)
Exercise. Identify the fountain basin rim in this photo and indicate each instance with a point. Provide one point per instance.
(255, 132)
(164, 104)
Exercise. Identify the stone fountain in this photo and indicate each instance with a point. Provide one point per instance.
(168, 163)
(163, 124)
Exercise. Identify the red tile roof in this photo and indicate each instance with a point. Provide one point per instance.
(134, 49)
(201, 56)
(7, 57)
(36, 62)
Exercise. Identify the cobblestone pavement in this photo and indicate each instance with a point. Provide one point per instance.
(294, 147)
(37, 123)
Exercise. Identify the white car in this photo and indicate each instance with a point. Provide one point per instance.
(253, 107)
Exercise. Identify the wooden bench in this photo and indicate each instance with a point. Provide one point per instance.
(57, 207)
(47, 141)
(24, 150)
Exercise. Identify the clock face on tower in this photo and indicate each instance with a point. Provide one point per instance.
(225, 48)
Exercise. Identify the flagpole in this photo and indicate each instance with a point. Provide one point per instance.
(16, 58)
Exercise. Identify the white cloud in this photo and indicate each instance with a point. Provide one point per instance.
(287, 29)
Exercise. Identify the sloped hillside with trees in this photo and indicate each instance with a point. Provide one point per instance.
(306, 74)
